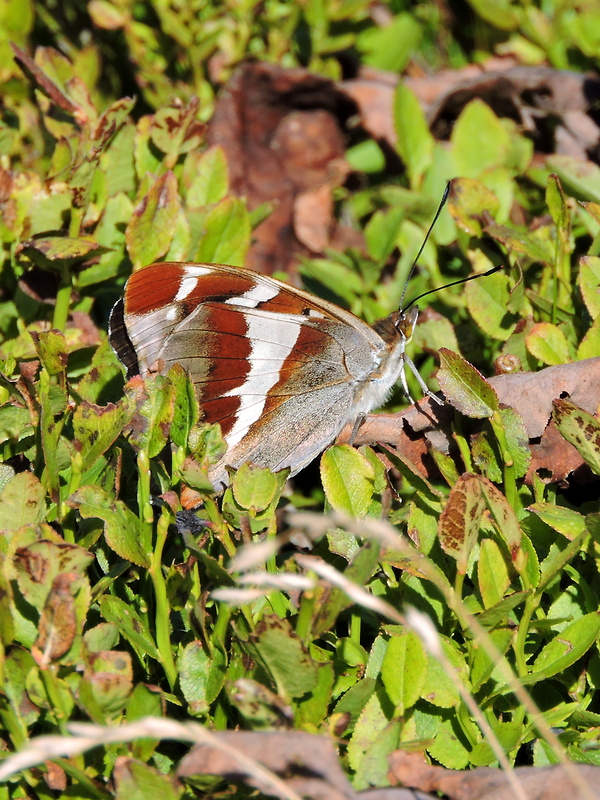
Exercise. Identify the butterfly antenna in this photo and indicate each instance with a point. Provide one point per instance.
(454, 283)
(414, 265)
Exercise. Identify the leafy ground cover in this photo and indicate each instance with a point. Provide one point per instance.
(438, 595)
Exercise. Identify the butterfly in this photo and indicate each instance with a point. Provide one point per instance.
(280, 370)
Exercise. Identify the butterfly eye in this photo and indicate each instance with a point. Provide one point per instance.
(406, 322)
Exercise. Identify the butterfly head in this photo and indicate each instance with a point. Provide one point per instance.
(406, 321)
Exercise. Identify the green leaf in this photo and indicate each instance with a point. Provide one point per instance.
(51, 347)
(285, 656)
(104, 372)
(414, 140)
(558, 558)
(449, 746)
(121, 526)
(381, 234)
(588, 281)
(499, 612)
(492, 573)
(564, 520)
(390, 47)
(567, 647)
(537, 245)
(130, 625)
(517, 440)
(110, 233)
(137, 781)
(404, 669)
(548, 343)
(374, 766)
(579, 178)
(186, 410)
(589, 347)
(193, 665)
(313, 709)
(347, 478)
(360, 570)
(557, 205)
(467, 198)
(15, 422)
(106, 15)
(465, 387)
(581, 429)
(509, 735)
(439, 688)
(354, 700)
(504, 516)
(211, 179)
(151, 226)
(433, 333)
(477, 123)
(255, 488)
(499, 14)
(227, 236)
(371, 721)
(458, 527)
(487, 301)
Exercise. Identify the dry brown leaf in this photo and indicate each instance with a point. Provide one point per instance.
(283, 135)
(486, 783)
(426, 424)
(556, 106)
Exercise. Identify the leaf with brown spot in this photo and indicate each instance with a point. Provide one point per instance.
(22, 502)
(38, 564)
(581, 429)
(107, 681)
(459, 521)
(42, 82)
(58, 622)
(97, 427)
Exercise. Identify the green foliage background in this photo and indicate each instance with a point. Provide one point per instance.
(105, 607)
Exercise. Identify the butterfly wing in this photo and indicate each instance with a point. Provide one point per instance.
(279, 370)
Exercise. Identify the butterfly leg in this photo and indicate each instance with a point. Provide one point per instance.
(407, 394)
(426, 390)
(357, 423)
